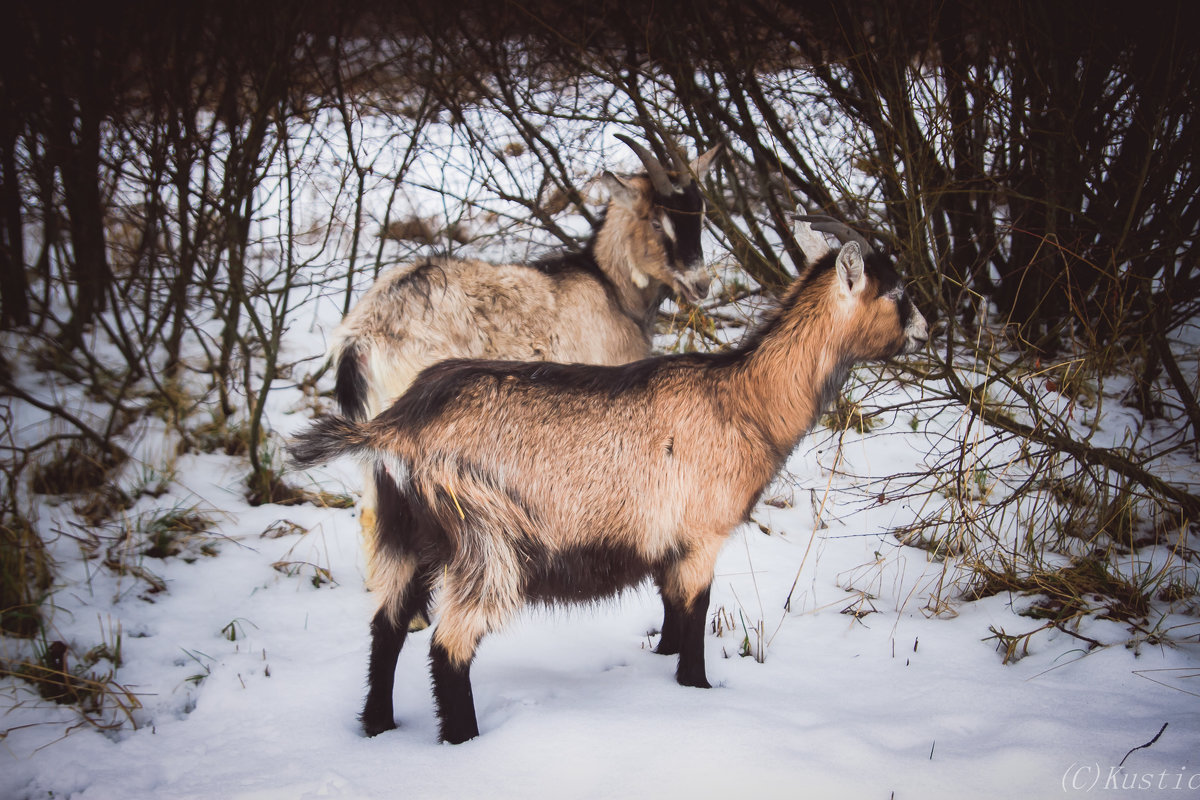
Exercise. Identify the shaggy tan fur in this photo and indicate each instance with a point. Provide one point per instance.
(669, 465)
(464, 308)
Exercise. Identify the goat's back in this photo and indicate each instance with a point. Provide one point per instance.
(418, 314)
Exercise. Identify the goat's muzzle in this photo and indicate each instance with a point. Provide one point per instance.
(692, 286)
(916, 333)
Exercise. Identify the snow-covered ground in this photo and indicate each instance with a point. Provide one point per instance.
(250, 675)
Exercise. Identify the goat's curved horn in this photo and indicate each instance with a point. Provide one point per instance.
(681, 164)
(843, 232)
(658, 176)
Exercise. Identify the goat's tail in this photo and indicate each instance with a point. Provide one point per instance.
(350, 384)
(328, 438)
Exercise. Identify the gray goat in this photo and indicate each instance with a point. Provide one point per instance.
(597, 306)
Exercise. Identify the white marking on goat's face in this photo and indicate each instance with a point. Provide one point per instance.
(916, 329)
(664, 236)
(661, 223)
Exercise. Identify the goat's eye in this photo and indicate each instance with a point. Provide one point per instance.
(656, 224)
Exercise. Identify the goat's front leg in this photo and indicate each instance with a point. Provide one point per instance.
(690, 671)
(685, 588)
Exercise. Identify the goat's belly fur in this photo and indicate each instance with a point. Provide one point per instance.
(587, 572)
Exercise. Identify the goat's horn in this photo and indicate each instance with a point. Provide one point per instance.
(843, 232)
(658, 176)
(681, 164)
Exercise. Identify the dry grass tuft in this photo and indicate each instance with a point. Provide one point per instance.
(80, 467)
(25, 577)
(98, 698)
(178, 531)
(848, 415)
(1083, 587)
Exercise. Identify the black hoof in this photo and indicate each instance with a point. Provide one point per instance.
(376, 727)
(699, 681)
(666, 648)
(459, 736)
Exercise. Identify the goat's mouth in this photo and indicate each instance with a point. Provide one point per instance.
(692, 287)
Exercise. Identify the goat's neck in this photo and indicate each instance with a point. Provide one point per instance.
(620, 254)
(788, 380)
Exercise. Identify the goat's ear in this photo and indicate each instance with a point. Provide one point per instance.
(701, 163)
(850, 268)
(621, 192)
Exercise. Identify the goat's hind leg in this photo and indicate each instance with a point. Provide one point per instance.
(402, 583)
(469, 609)
(453, 695)
(450, 657)
(386, 640)
(671, 631)
(388, 523)
(389, 629)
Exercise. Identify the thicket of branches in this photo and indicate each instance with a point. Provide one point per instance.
(1032, 168)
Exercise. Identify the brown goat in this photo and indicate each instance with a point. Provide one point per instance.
(593, 307)
(561, 483)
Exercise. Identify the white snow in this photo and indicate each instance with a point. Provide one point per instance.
(573, 703)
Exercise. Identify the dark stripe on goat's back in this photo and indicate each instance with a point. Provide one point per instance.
(564, 262)
(568, 262)
(421, 281)
(438, 386)
(431, 391)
